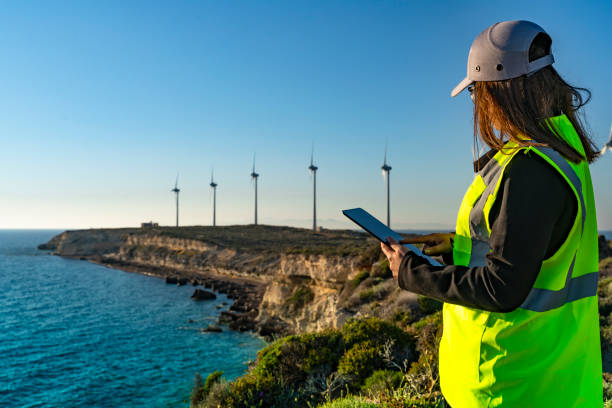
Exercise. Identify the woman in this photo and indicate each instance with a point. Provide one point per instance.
(520, 315)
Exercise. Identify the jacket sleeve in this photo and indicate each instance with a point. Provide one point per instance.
(532, 215)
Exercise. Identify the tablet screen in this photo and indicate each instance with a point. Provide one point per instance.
(380, 231)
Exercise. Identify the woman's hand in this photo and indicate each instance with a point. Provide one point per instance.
(394, 252)
(438, 243)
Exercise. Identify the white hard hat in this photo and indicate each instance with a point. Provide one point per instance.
(502, 52)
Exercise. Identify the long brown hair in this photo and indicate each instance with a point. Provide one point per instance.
(522, 105)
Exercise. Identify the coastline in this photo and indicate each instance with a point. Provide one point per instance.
(264, 279)
(246, 294)
(282, 280)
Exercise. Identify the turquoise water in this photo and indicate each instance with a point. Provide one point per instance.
(75, 334)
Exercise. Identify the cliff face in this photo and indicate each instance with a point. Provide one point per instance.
(283, 280)
(316, 282)
(293, 289)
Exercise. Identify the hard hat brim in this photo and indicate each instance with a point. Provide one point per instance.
(461, 86)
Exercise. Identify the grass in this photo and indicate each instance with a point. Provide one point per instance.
(349, 402)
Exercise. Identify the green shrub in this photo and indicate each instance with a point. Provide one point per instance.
(402, 316)
(201, 390)
(197, 392)
(607, 388)
(428, 305)
(220, 392)
(382, 381)
(256, 391)
(360, 361)
(423, 374)
(603, 286)
(433, 318)
(291, 358)
(605, 305)
(606, 335)
(360, 277)
(302, 296)
(604, 263)
(375, 331)
(212, 378)
(366, 295)
(373, 344)
(302, 370)
(381, 269)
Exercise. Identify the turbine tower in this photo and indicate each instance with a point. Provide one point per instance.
(176, 191)
(608, 145)
(254, 177)
(386, 171)
(213, 185)
(313, 172)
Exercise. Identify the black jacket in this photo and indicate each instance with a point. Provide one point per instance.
(532, 216)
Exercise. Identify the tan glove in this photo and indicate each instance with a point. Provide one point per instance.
(438, 243)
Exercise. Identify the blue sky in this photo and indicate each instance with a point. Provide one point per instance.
(102, 103)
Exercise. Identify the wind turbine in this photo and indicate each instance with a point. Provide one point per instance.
(213, 185)
(254, 177)
(313, 171)
(176, 191)
(386, 171)
(608, 145)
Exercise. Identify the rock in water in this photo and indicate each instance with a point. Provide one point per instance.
(212, 328)
(171, 279)
(201, 294)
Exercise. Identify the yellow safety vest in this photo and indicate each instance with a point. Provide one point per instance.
(546, 353)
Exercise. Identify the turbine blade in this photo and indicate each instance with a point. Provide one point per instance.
(312, 154)
(385, 161)
(176, 181)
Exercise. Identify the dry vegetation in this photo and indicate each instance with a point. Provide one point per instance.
(270, 239)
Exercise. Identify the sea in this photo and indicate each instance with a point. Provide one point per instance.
(76, 334)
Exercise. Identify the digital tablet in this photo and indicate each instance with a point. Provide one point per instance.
(380, 231)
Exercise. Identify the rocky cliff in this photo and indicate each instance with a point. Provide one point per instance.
(283, 280)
